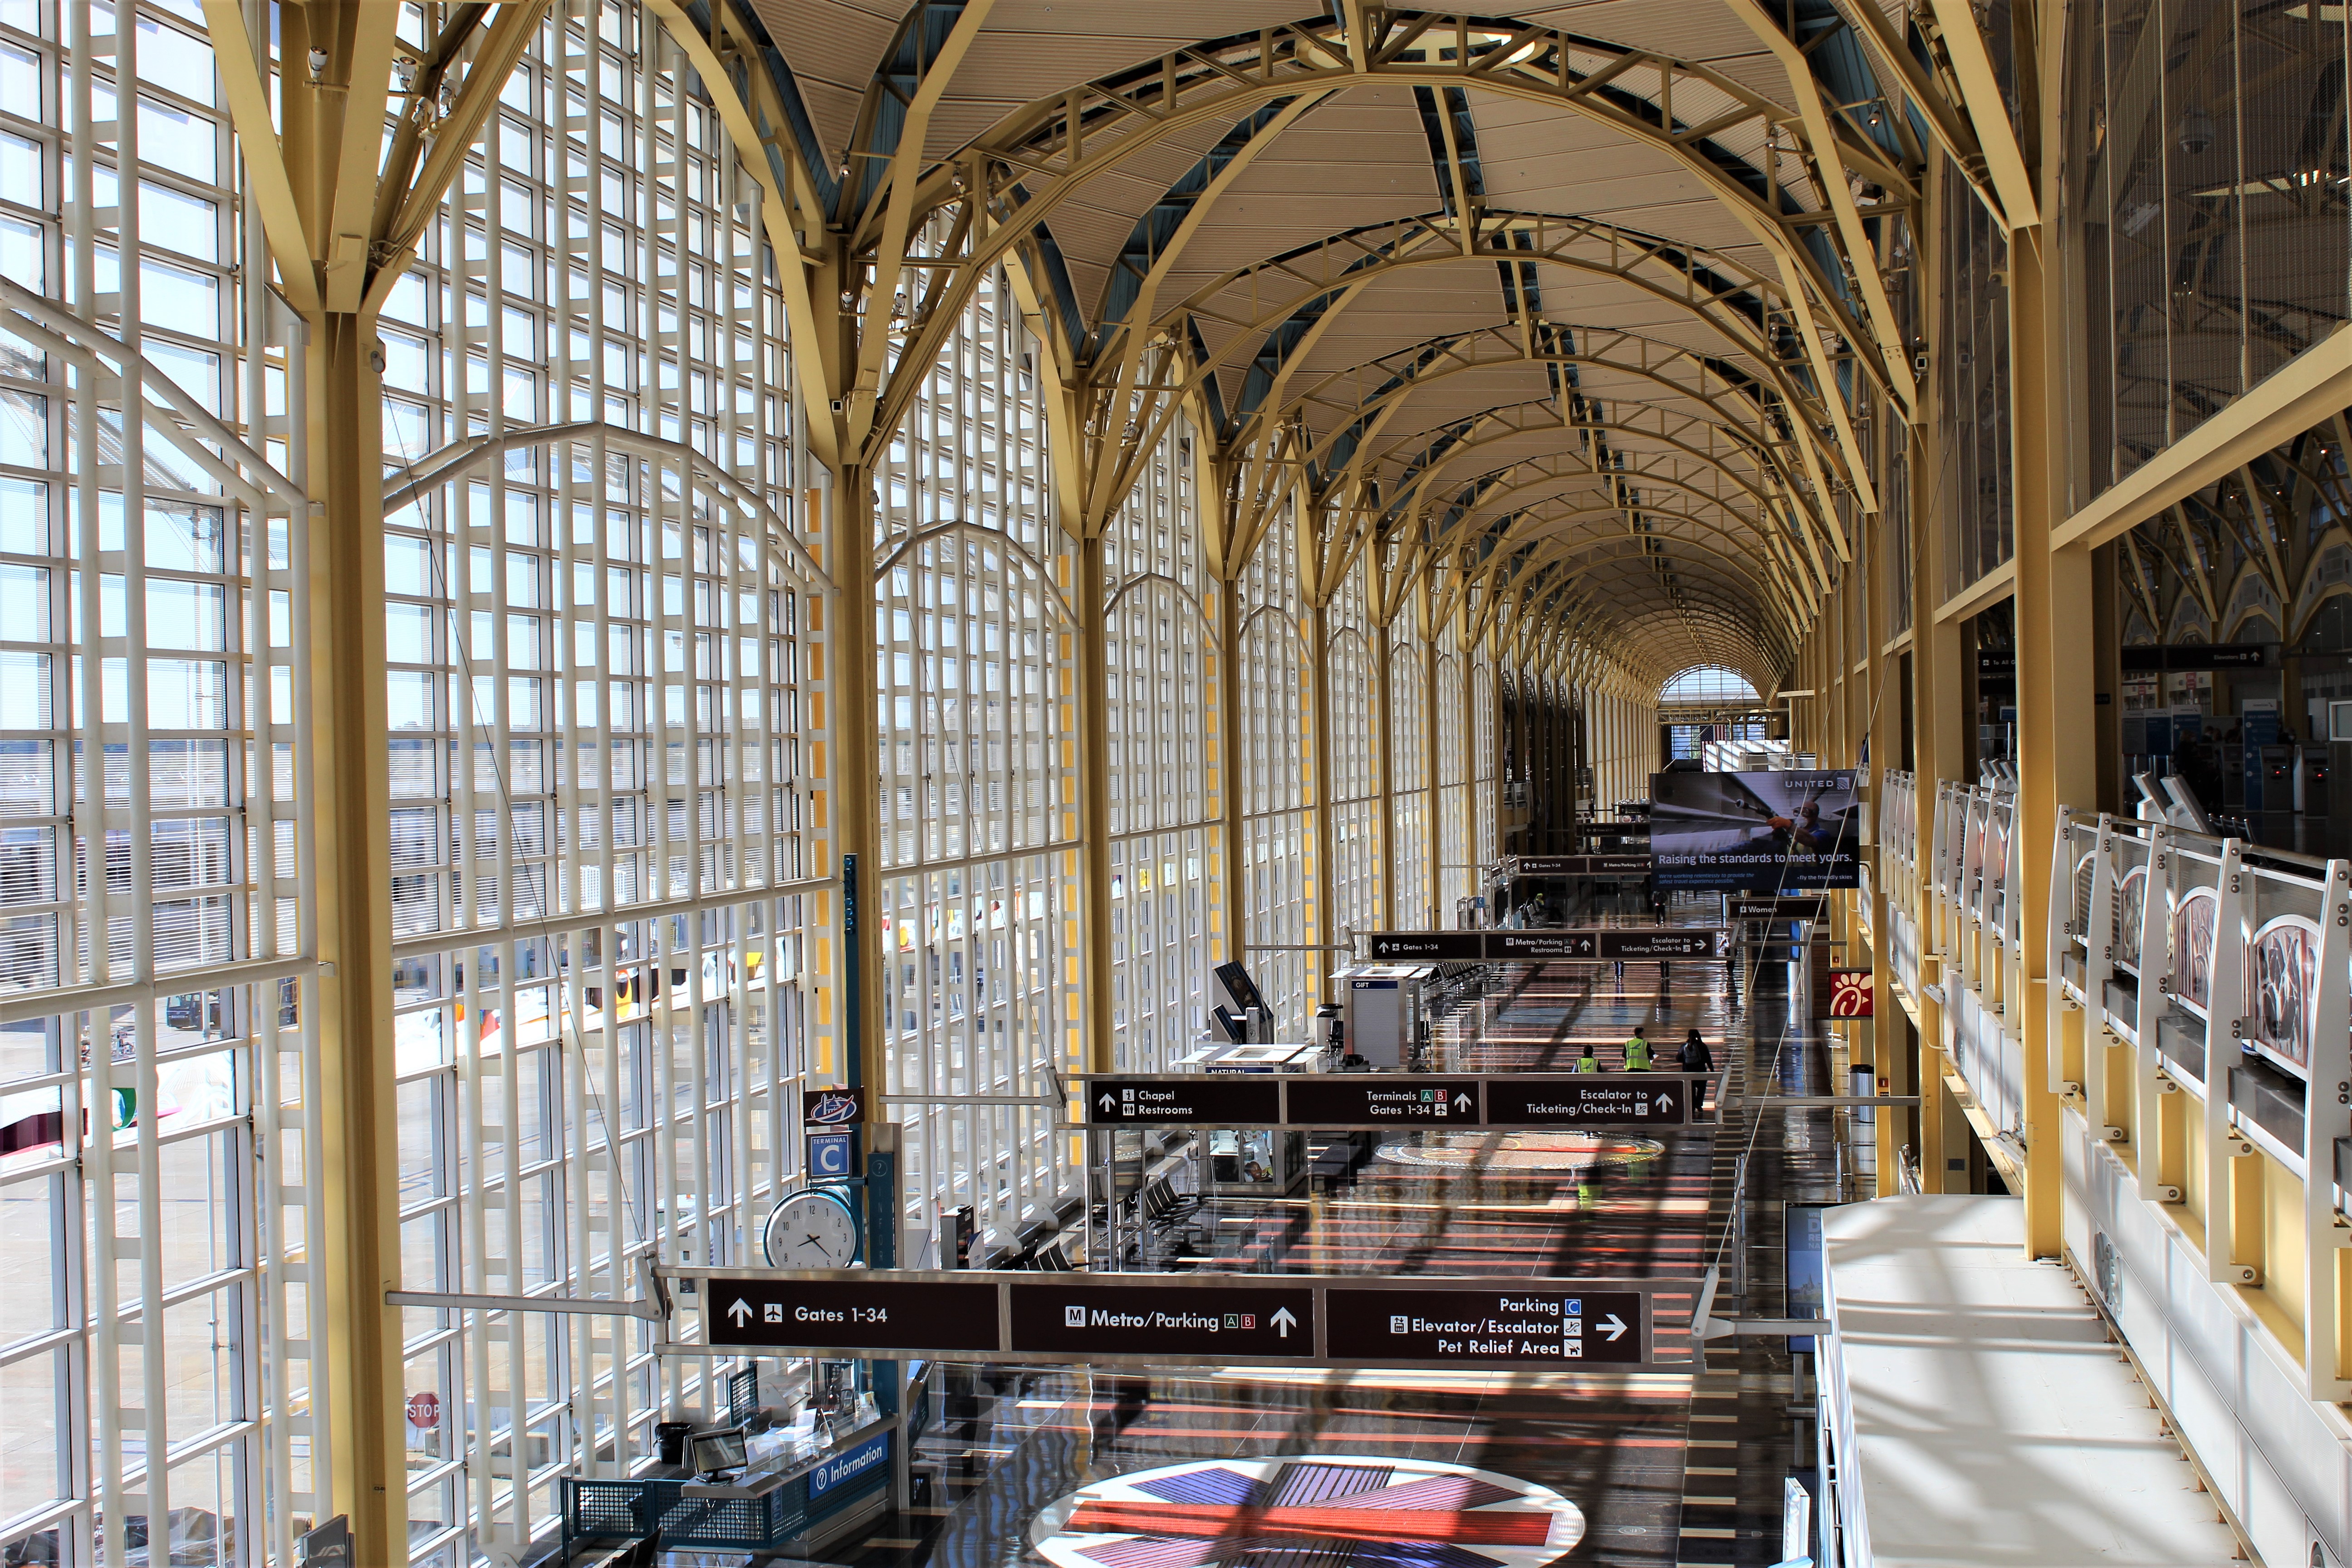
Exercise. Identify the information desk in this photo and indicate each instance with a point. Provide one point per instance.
(796, 1508)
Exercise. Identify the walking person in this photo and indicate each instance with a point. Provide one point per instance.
(1695, 1057)
(1637, 1051)
(1588, 1062)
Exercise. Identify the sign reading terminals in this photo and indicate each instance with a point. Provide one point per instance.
(1206, 1319)
(1337, 1101)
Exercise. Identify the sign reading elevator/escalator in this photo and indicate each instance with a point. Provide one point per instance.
(1506, 1327)
(1236, 1319)
(748, 1310)
(1193, 1101)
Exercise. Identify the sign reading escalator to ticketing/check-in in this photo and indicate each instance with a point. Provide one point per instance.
(1548, 944)
(1506, 1327)
(1587, 1099)
(1252, 1319)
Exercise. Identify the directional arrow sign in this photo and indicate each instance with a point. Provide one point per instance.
(1243, 1319)
(874, 1312)
(1587, 1099)
(1382, 1100)
(1204, 1099)
(1509, 1325)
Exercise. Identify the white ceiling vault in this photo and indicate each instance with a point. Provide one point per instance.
(1595, 317)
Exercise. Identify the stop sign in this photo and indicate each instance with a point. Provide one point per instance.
(425, 1410)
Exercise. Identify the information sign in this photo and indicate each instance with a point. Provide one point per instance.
(1157, 1319)
(1543, 944)
(1581, 866)
(1587, 1099)
(1337, 1101)
(1222, 1100)
(1256, 1315)
(1508, 1326)
(1367, 1100)
(867, 1312)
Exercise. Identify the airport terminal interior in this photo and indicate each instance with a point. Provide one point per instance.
(1175, 784)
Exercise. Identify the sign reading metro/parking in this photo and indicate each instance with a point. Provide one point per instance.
(1162, 1319)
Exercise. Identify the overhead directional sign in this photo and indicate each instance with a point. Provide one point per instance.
(1533, 1324)
(1543, 944)
(1219, 1099)
(1159, 1319)
(858, 1310)
(1587, 1099)
(1579, 865)
(1260, 1316)
(1383, 1100)
(1342, 1101)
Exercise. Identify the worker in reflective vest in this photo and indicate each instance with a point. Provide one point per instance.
(1637, 1052)
(1588, 1062)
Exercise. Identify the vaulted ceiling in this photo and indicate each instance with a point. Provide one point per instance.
(1595, 318)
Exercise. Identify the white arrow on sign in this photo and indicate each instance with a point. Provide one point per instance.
(740, 1312)
(1666, 1102)
(1613, 1326)
(1284, 1322)
(1462, 1103)
(1106, 1102)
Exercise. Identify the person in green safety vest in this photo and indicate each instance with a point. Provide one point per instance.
(1637, 1052)
(1588, 1062)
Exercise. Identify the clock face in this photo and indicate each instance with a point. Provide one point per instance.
(814, 1229)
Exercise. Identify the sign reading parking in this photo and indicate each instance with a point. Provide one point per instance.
(1255, 1319)
(1342, 1101)
(1538, 1325)
(1157, 1319)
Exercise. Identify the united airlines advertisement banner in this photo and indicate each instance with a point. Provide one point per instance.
(1755, 833)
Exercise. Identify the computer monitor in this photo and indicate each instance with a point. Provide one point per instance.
(718, 1451)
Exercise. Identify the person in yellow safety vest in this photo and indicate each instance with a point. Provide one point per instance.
(1588, 1062)
(1637, 1052)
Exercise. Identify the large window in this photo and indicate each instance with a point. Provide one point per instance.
(157, 1348)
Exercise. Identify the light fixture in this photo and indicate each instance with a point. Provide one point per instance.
(317, 65)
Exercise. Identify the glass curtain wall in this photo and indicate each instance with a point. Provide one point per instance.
(598, 777)
(2205, 190)
(1979, 503)
(1412, 802)
(1160, 652)
(978, 892)
(1278, 830)
(1359, 848)
(160, 1356)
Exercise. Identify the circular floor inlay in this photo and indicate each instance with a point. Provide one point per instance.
(1561, 1152)
(1345, 1510)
